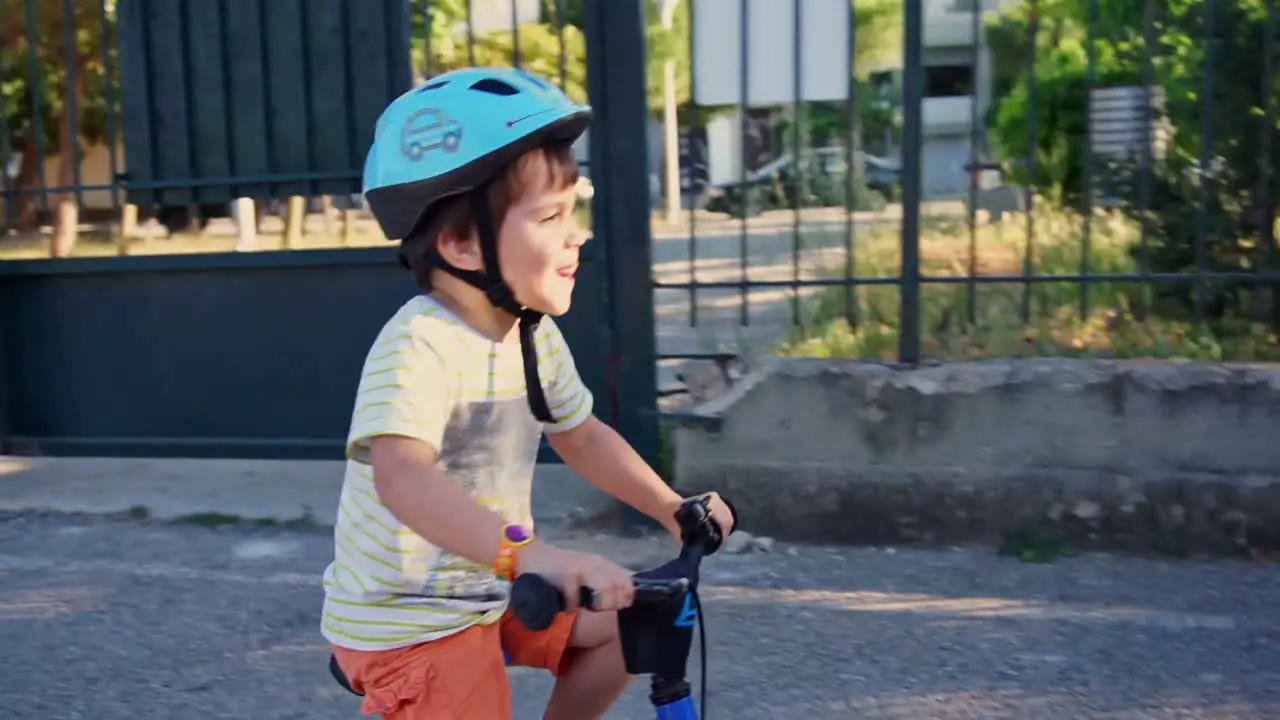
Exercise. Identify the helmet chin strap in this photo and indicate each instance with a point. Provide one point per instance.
(500, 296)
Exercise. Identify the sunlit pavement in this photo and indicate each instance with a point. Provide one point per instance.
(111, 619)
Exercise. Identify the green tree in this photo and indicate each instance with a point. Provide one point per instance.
(1221, 202)
(60, 82)
(541, 45)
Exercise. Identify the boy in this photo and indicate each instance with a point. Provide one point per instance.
(474, 173)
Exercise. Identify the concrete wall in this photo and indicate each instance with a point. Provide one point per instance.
(1137, 455)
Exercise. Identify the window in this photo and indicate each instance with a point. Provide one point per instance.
(948, 80)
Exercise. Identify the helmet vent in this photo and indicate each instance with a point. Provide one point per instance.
(495, 86)
(433, 86)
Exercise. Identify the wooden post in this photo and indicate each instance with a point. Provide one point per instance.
(348, 220)
(246, 216)
(65, 229)
(327, 209)
(128, 220)
(128, 229)
(294, 219)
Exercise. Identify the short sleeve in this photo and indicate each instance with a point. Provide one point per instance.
(568, 398)
(404, 390)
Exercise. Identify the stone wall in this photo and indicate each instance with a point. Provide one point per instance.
(1173, 457)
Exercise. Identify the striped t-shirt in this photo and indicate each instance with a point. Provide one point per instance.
(432, 377)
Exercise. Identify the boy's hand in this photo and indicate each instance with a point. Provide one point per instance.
(569, 570)
(720, 512)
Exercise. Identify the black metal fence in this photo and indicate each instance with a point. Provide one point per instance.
(1083, 177)
(1087, 177)
(179, 107)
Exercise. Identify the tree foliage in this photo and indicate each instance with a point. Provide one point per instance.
(69, 72)
(55, 69)
(1206, 60)
(554, 48)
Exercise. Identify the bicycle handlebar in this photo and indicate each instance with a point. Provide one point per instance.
(535, 601)
(662, 597)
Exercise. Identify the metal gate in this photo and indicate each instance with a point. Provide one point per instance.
(257, 354)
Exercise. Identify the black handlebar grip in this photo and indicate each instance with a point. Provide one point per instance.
(535, 601)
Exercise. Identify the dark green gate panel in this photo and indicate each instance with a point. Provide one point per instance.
(255, 98)
(237, 355)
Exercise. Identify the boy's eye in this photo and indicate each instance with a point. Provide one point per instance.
(552, 217)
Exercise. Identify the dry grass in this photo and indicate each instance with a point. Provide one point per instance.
(960, 321)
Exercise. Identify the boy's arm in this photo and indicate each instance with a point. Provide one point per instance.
(600, 455)
(595, 450)
(405, 397)
(404, 401)
(413, 488)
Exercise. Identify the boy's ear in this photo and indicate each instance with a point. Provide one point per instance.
(462, 252)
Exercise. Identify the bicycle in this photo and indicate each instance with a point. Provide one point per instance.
(657, 629)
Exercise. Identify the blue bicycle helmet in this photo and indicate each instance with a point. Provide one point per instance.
(450, 136)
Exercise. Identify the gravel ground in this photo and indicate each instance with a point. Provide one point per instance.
(110, 619)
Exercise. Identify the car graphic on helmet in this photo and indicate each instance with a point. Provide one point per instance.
(429, 129)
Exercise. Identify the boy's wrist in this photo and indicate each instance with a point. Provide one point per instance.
(514, 541)
(530, 554)
(667, 517)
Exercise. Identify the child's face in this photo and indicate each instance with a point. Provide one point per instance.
(539, 243)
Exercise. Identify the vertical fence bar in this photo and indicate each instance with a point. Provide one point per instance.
(1206, 146)
(1091, 51)
(1148, 138)
(72, 143)
(1264, 156)
(743, 81)
(6, 159)
(563, 68)
(6, 308)
(912, 110)
(109, 97)
(36, 87)
(797, 163)
(971, 287)
(694, 131)
(515, 35)
(619, 149)
(307, 90)
(471, 35)
(229, 110)
(264, 45)
(426, 39)
(850, 177)
(1033, 33)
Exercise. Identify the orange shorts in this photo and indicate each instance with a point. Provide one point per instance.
(460, 677)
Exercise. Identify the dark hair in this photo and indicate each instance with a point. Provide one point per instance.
(454, 214)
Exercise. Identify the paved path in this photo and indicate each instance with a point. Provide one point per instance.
(116, 620)
(139, 619)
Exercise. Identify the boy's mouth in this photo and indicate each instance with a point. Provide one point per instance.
(567, 271)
